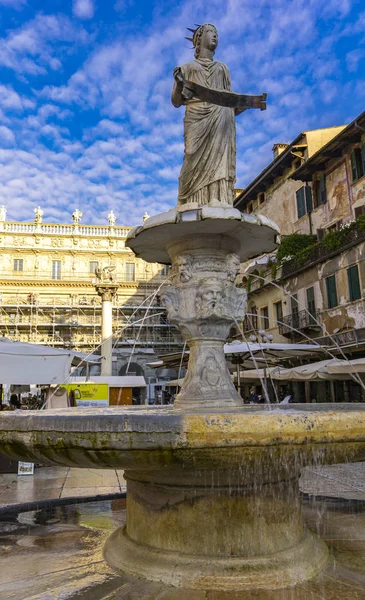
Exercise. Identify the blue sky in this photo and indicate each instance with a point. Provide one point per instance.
(85, 115)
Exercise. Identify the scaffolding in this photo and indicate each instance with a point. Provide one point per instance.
(76, 324)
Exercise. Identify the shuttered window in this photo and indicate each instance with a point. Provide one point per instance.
(278, 313)
(308, 198)
(331, 291)
(311, 305)
(264, 312)
(301, 202)
(295, 310)
(354, 283)
(322, 190)
(358, 163)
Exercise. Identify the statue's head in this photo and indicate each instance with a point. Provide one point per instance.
(204, 36)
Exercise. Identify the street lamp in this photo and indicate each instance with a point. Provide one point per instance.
(265, 338)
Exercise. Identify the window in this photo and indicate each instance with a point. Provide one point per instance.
(322, 190)
(331, 291)
(359, 210)
(18, 264)
(295, 311)
(261, 198)
(253, 317)
(264, 313)
(130, 271)
(56, 269)
(278, 312)
(358, 162)
(249, 208)
(304, 201)
(93, 265)
(311, 305)
(164, 271)
(354, 283)
(319, 191)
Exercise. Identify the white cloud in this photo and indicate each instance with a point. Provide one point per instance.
(38, 45)
(7, 137)
(104, 134)
(17, 4)
(83, 9)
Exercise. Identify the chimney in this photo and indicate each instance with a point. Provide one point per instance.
(278, 149)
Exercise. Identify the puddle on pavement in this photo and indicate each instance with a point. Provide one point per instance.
(56, 554)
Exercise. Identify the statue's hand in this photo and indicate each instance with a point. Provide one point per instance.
(178, 76)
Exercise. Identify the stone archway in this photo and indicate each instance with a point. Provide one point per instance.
(134, 369)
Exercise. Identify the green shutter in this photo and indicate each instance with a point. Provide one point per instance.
(301, 202)
(363, 158)
(331, 291)
(322, 190)
(353, 166)
(308, 199)
(354, 283)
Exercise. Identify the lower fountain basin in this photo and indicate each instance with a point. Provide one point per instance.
(212, 497)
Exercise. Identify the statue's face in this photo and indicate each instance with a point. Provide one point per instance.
(209, 38)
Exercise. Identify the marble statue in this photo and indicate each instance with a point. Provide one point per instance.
(203, 85)
(76, 216)
(145, 217)
(38, 212)
(2, 213)
(111, 218)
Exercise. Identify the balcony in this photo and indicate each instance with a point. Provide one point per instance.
(319, 253)
(301, 321)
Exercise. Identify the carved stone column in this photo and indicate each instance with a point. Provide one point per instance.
(204, 304)
(107, 291)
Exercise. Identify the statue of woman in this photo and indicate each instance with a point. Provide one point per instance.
(208, 173)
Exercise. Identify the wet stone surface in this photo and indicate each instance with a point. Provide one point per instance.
(56, 554)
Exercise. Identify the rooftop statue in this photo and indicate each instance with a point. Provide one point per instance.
(111, 218)
(76, 216)
(38, 215)
(208, 173)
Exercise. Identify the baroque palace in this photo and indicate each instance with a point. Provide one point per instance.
(48, 295)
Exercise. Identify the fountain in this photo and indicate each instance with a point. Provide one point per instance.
(212, 486)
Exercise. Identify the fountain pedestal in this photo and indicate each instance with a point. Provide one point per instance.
(205, 247)
(215, 530)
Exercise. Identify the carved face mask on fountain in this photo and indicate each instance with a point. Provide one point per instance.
(184, 268)
(210, 300)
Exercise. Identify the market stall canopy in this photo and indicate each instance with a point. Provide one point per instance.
(26, 364)
(247, 350)
(346, 367)
(312, 372)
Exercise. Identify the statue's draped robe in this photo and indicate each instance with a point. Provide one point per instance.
(209, 169)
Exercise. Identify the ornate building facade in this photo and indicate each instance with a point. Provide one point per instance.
(48, 295)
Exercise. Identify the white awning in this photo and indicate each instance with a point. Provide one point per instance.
(26, 364)
(321, 370)
(346, 367)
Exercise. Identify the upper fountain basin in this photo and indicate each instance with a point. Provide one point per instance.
(253, 234)
(160, 437)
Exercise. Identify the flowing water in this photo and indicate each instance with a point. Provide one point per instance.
(56, 554)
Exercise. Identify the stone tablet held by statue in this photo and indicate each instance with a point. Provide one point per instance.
(203, 85)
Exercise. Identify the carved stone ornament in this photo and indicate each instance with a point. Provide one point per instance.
(107, 291)
(204, 304)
